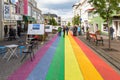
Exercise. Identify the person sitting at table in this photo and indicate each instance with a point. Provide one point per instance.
(35, 37)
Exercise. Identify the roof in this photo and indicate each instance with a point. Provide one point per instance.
(51, 15)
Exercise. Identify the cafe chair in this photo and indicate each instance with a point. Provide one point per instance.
(28, 51)
(21, 46)
(3, 49)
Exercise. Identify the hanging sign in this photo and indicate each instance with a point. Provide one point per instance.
(6, 12)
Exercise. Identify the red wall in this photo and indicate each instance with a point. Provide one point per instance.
(25, 7)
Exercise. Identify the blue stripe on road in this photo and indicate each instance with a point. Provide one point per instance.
(40, 71)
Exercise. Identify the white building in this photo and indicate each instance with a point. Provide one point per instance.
(7, 16)
(81, 9)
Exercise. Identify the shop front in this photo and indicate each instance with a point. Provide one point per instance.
(28, 20)
(7, 24)
(116, 26)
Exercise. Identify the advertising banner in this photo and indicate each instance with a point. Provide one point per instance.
(6, 12)
(48, 28)
(35, 29)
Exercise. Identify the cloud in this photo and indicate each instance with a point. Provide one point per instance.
(54, 1)
(60, 7)
(64, 13)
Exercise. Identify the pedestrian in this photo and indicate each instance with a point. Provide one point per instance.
(83, 29)
(111, 32)
(79, 30)
(11, 33)
(19, 31)
(59, 31)
(67, 29)
(36, 38)
(74, 31)
(87, 28)
(5, 30)
(63, 31)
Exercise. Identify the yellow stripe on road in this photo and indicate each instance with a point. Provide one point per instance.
(72, 71)
(88, 70)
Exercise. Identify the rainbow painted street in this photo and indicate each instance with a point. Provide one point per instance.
(65, 58)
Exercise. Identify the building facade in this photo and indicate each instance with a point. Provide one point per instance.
(20, 13)
(94, 21)
(8, 17)
(50, 16)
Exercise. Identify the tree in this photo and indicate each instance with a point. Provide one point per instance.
(68, 24)
(52, 22)
(106, 8)
(76, 20)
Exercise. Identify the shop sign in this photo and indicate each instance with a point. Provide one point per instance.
(35, 29)
(18, 17)
(6, 12)
(48, 28)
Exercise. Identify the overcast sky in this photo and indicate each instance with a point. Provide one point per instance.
(60, 7)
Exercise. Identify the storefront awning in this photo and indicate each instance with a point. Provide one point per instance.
(28, 18)
(116, 17)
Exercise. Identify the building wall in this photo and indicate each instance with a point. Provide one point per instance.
(1, 19)
(20, 7)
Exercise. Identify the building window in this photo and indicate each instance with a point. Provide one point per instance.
(6, 1)
(105, 27)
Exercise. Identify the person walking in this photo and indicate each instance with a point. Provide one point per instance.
(11, 33)
(67, 29)
(5, 30)
(82, 30)
(59, 31)
(79, 30)
(63, 31)
(75, 31)
(19, 30)
(111, 32)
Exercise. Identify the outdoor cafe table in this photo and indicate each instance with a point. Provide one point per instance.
(11, 51)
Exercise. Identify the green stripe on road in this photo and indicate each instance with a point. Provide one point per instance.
(56, 70)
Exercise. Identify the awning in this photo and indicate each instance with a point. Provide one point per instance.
(116, 17)
(28, 18)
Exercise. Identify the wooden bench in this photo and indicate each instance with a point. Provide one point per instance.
(95, 37)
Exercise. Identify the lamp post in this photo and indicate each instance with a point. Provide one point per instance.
(80, 22)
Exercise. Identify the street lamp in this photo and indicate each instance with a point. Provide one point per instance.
(80, 22)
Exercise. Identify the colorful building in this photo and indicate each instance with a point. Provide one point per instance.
(94, 21)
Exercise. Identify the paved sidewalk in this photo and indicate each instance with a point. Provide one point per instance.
(111, 56)
(7, 67)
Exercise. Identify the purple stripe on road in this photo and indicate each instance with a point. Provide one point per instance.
(23, 72)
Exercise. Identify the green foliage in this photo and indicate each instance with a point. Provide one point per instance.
(68, 24)
(52, 22)
(76, 20)
(105, 8)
